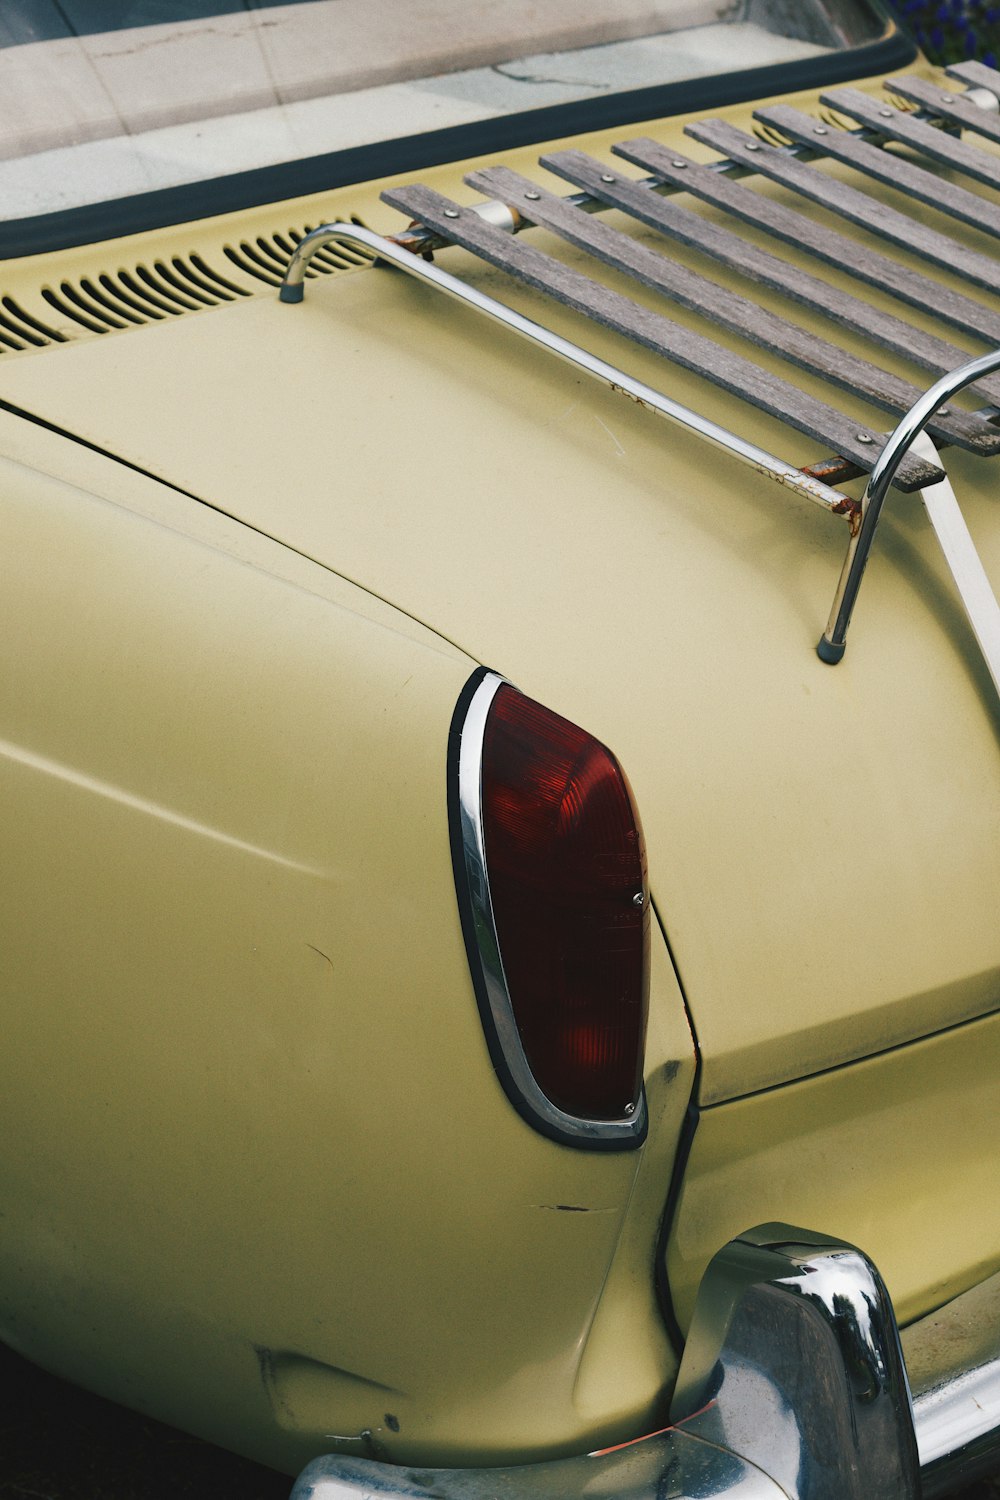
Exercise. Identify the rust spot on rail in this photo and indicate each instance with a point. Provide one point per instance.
(631, 396)
(852, 510)
(800, 481)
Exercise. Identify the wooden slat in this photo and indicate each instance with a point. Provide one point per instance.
(848, 202)
(953, 107)
(976, 74)
(850, 256)
(760, 266)
(680, 345)
(886, 166)
(895, 125)
(727, 308)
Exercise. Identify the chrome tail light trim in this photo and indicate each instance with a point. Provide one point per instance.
(482, 943)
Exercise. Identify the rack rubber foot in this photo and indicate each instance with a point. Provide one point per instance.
(830, 651)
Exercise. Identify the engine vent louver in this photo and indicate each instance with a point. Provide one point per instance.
(155, 291)
(19, 330)
(144, 294)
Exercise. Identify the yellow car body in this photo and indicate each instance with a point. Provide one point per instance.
(261, 1178)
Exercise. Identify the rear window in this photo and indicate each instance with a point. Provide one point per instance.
(106, 101)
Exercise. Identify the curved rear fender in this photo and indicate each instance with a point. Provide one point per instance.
(268, 1186)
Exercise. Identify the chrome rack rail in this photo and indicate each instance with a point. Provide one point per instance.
(946, 517)
(389, 250)
(903, 457)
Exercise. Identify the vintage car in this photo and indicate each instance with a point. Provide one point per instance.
(460, 409)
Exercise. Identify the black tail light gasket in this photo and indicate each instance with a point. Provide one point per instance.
(465, 756)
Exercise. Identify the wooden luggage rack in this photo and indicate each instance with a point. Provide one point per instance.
(938, 128)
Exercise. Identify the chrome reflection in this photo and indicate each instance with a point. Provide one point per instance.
(957, 1427)
(953, 1361)
(669, 1466)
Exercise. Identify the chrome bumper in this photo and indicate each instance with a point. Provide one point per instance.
(793, 1386)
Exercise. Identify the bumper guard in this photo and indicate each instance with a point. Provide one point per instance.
(793, 1386)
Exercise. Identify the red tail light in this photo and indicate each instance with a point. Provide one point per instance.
(566, 872)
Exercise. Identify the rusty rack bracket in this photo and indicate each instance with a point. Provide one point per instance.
(907, 456)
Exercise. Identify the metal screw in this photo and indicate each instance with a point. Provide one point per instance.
(607, 177)
(630, 1109)
(820, 130)
(947, 98)
(532, 195)
(864, 437)
(753, 145)
(451, 213)
(678, 163)
(886, 114)
(639, 900)
(944, 411)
